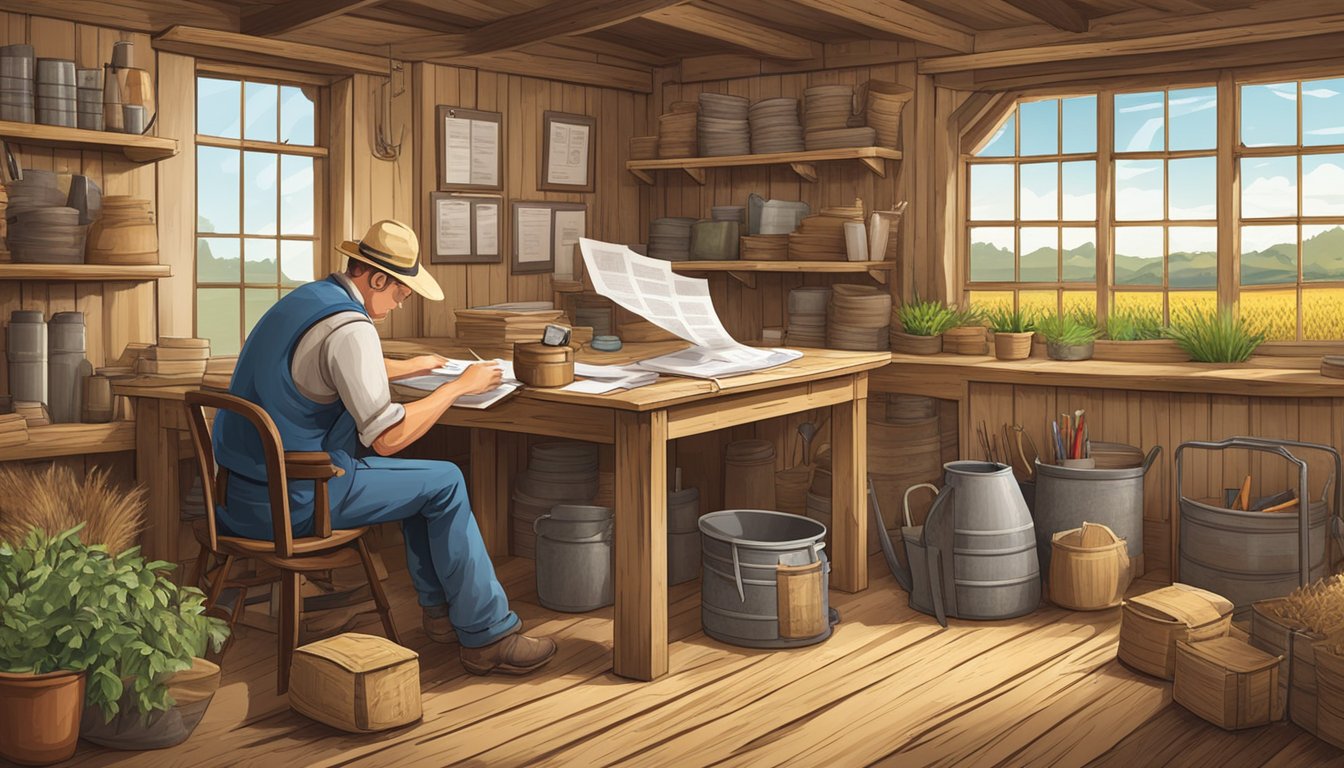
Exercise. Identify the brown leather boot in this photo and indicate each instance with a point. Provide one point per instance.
(436, 624)
(516, 654)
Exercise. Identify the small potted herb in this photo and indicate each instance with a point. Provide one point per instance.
(967, 335)
(922, 324)
(1069, 336)
(1137, 336)
(1214, 337)
(1013, 331)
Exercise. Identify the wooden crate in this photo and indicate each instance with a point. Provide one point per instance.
(355, 682)
(1151, 624)
(1228, 682)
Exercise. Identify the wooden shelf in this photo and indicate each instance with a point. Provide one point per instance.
(745, 269)
(138, 149)
(802, 163)
(72, 440)
(83, 272)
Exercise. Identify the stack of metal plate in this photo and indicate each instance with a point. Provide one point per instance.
(89, 99)
(16, 83)
(43, 229)
(56, 92)
(723, 127)
(670, 238)
(736, 213)
(775, 126)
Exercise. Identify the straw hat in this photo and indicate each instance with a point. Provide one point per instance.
(392, 247)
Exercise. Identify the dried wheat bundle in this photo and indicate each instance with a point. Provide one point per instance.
(56, 500)
(1318, 607)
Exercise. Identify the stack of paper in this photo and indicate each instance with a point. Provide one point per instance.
(601, 379)
(487, 326)
(454, 368)
(219, 372)
(175, 355)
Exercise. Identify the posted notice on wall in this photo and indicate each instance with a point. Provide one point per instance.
(470, 151)
(454, 228)
(568, 156)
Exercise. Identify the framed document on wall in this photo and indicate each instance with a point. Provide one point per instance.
(541, 230)
(469, 150)
(466, 229)
(568, 156)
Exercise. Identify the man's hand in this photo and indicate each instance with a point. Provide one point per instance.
(415, 366)
(480, 378)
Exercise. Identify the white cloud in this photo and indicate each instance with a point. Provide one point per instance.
(1133, 204)
(1147, 106)
(1319, 92)
(1323, 190)
(1141, 242)
(1269, 196)
(1126, 170)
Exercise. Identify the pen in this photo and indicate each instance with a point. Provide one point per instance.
(473, 354)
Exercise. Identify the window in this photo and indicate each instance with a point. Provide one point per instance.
(257, 200)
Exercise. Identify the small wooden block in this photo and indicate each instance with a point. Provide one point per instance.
(357, 683)
(1228, 683)
(799, 598)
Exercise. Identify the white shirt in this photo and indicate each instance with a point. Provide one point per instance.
(341, 358)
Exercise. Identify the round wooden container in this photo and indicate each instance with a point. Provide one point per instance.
(541, 365)
(1089, 569)
(749, 468)
(911, 344)
(965, 340)
(1012, 346)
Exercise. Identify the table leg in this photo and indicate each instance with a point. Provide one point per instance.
(640, 642)
(849, 490)
(156, 468)
(491, 505)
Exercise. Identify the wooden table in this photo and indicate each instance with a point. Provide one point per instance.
(639, 423)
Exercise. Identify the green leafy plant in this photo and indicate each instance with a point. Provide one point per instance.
(67, 605)
(1005, 320)
(926, 318)
(969, 315)
(1214, 337)
(1069, 329)
(1134, 324)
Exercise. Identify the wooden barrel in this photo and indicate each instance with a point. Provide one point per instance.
(749, 475)
(1297, 646)
(899, 456)
(1089, 570)
(791, 489)
(1330, 693)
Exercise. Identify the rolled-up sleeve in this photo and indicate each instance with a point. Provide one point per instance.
(353, 357)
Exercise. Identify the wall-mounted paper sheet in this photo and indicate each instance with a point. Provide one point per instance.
(454, 228)
(484, 153)
(533, 229)
(457, 150)
(487, 229)
(568, 154)
(569, 226)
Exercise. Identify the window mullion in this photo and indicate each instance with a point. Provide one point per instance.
(1105, 200)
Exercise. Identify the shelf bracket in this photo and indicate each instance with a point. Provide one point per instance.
(875, 164)
(880, 275)
(698, 174)
(746, 278)
(642, 175)
(807, 170)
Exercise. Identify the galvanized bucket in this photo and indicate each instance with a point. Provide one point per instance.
(683, 535)
(575, 558)
(1067, 497)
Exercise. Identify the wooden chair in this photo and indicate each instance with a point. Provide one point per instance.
(325, 550)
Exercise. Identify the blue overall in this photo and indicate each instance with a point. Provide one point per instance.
(445, 554)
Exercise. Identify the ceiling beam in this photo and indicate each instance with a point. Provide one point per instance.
(900, 18)
(737, 31)
(1059, 14)
(296, 14)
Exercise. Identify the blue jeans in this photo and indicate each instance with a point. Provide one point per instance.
(445, 554)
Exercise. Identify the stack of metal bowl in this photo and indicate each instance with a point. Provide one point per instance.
(56, 92)
(16, 83)
(89, 99)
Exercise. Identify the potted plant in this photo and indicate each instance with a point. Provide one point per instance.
(1068, 336)
(1137, 336)
(922, 326)
(967, 334)
(1013, 331)
(1214, 337)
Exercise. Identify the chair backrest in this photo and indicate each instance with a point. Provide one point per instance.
(277, 482)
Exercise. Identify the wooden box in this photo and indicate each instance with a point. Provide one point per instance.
(1228, 682)
(1151, 624)
(355, 682)
(1089, 568)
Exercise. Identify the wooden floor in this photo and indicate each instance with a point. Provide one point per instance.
(889, 688)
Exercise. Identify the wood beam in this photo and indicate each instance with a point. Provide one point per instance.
(265, 52)
(900, 18)
(734, 30)
(859, 53)
(561, 69)
(132, 16)
(1059, 14)
(296, 14)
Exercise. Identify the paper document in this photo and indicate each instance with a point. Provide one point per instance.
(601, 379)
(679, 305)
(454, 368)
(454, 227)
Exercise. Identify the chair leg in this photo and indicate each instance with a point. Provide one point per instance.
(376, 587)
(288, 634)
(198, 572)
(217, 586)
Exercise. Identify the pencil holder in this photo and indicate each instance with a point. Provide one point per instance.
(542, 365)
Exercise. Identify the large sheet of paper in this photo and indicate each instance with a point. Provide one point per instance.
(679, 305)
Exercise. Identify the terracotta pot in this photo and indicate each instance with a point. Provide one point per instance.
(1148, 351)
(1058, 351)
(39, 716)
(916, 345)
(966, 340)
(1012, 346)
(191, 689)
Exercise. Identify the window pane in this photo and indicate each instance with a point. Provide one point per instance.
(217, 260)
(1138, 190)
(1323, 112)
(1182, 302)
(296, 115)
(216, 190)
(258, 301)
(259, 262)
(1323, 252)
(992, 254)
(259, 193)
(217, 107)
(217, 314)
(1080, 191)
(1268, 254)
(1192, 257)
(1138, 255)
(1002, 143)
(990, 300)
(1268, 187)
(1139, 302)
(261, 107)
(1194, 118)
(1040, 255)
(1138, 122)
(1269, 115)
(1273, 313)
(1033, 303)
(1040, 191)
(1080, 301)
(1192, 190)
(296, 195)
(1323, 185)
(1040, 127)
(1080, 124)
(296, 262)
(1080, 254)
(1323, 313)
(992, 189)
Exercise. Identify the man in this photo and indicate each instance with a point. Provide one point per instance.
(314, 363)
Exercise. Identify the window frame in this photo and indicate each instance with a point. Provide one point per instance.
(319, 153)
